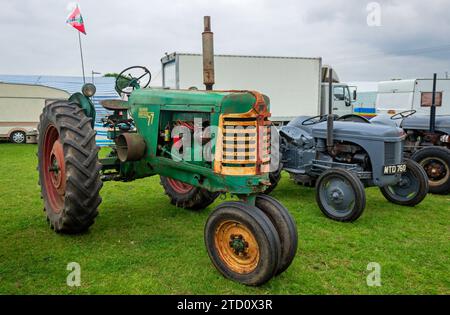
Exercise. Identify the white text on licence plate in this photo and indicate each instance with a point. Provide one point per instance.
(394, 169)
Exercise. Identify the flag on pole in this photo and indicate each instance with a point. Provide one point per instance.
(76, 20)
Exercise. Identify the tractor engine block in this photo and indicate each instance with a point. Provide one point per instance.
(350, 153)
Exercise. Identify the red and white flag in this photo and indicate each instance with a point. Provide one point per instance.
(76, 20)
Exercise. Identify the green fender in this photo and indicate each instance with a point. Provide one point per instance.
(86, 104)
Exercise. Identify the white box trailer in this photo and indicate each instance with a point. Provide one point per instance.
(399, 95)
(293, 84)
(20, 108)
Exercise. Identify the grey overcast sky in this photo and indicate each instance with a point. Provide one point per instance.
(413, 39)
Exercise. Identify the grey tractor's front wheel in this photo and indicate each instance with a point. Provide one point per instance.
(340, 195)
(68, 167)
(187, 196)
(242, 243)
(436, 163)
(411, 188)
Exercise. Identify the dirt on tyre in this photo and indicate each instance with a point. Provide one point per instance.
(242, 243)
(285, 225)
(340, 195)
(187, 196)
(436, 163)
(412, 188)
(68, 167)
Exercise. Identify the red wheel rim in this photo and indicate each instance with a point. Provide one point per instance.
(179, 187)
(54, 169)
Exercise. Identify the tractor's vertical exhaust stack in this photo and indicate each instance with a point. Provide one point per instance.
(433, 106)
(330, 117)
(208, 54)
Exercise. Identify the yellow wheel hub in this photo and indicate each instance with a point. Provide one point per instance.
(237, 247)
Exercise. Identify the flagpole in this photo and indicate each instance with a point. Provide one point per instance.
(81, 54)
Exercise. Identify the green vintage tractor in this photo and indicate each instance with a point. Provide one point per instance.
(201, 144)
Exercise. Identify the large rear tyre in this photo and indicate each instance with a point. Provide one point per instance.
(242, 243)
(68, 167)
(412, 187)
(284, 224)
(187, 196)
(340, 195)
(436, 163)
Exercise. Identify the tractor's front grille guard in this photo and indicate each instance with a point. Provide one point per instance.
(393, 153)
(243, 147)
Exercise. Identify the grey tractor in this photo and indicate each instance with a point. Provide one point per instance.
(342, 157)
(428, 146)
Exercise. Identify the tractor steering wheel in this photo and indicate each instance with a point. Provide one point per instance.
(314, 120)
(404, 114)
(131, 77)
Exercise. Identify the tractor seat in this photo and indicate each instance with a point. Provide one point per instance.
(114, 104)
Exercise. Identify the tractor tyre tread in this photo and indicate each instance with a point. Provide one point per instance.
(265, 234)
(83, 183)
(286, 228)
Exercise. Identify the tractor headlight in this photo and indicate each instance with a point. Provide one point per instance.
(88, 90)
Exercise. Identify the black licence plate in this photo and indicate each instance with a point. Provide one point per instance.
(394, 169)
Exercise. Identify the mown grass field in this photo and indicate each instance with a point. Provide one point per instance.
(141, 244)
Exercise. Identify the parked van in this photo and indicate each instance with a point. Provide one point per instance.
(399, 95)
(20, 107)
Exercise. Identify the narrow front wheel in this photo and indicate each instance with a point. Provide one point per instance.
(242, 243)
(284, 224)
(340, 195)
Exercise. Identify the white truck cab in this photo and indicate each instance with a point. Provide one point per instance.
(343, 98)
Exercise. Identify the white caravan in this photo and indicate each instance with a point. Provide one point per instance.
(399, 95)
(20, 107)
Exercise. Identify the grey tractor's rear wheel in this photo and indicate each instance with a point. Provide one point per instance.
(18, 137)
(242, 243)
(187, 196)
(284, 224)
(340, 195)
(68, 167)
(436, 163)
(412, 187)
